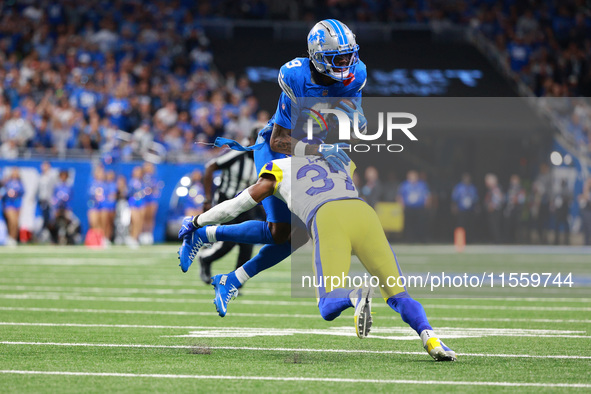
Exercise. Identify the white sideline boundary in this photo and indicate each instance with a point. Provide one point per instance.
(273, 315)
(280, 349)
(298, 379)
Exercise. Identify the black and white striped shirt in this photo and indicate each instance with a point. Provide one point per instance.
(238, 172)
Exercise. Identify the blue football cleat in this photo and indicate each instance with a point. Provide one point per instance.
(191, 244)
(226, 289)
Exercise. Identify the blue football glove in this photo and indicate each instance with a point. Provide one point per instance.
(335, 155)
(361, 120)
(188, 226)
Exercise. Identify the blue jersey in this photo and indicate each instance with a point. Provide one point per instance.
(62, 196)
(414, 194)
(136, 193)
(96, 192)
(110, 195)
(117, 110)
(152, 190)
(295, 80)
(464, 196)
(14, 191)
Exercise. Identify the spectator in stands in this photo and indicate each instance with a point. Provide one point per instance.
(464, 199)
(391, 187)
(415, 197)
(12, 200)
(584, 200)
(561, 207)
(542, 198)
(513, 212)
(42, 142)
(136, 192)
(18, 129)
(493, 203)
(371, 191)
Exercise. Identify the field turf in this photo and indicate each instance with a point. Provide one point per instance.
(78, 320)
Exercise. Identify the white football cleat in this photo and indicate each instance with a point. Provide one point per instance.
(362, 315)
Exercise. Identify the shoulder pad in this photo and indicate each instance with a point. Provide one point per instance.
(291, 76)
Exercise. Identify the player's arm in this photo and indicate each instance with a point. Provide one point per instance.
(230, 209)
(282, 142)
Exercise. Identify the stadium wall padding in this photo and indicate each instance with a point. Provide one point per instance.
(170, 174)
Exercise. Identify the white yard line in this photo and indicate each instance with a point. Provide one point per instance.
(208, 291)
(299, 379)
(76, 297)
(175, 313)
(272, 315)
(129, 290)
(282, 349)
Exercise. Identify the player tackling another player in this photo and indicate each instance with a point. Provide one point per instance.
(339, 223)
(325, 199)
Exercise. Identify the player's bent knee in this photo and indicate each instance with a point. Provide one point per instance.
(280, 232)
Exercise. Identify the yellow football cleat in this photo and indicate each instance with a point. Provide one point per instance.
(439, 351)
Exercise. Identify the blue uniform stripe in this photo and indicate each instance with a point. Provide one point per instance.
(335, 26)
(342, 30)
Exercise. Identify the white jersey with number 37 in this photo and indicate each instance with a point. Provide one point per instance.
(306, 183)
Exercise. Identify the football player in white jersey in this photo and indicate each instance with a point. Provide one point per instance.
(339, 223)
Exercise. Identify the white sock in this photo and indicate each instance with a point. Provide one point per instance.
(426, 334)
(354, 296)
(241, 275)
(210, 233)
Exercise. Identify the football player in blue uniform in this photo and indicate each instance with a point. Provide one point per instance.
(332, 69)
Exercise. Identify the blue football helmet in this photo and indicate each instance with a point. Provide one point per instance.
(332, 49)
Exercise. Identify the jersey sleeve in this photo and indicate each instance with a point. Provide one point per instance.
(290, 79)
(273, 169)
(283, 113)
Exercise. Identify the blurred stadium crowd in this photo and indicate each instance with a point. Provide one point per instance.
(516, 211)
(114, 78)
(134, 79)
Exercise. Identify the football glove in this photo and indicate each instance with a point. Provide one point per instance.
(335, 155)
(361, 120)
(189, 225)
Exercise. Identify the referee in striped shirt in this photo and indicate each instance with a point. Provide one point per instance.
(238, 173)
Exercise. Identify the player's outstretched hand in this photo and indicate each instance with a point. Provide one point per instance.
(350, 109)
(187, 227)
(335, 155)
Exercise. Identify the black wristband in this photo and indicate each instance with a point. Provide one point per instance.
(195, 221)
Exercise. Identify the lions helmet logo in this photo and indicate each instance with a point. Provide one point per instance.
(317, 37)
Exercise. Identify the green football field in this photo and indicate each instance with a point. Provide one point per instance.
(78, 320)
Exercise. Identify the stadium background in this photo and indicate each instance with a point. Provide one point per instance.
(127, 320)
(218, 61)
